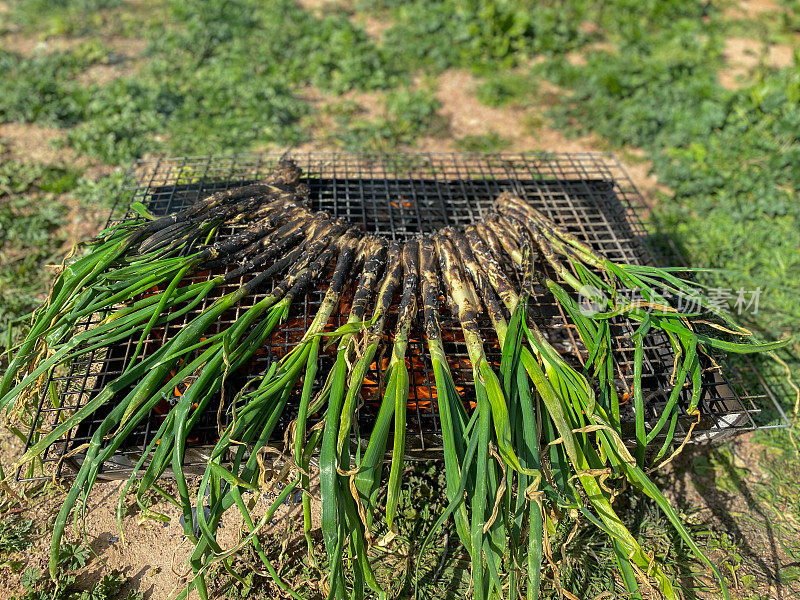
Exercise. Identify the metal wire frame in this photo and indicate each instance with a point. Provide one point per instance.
(401, 196)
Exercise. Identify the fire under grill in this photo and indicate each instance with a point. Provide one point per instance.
(401, 196)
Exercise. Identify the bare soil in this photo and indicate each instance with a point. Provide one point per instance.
(34, 143)
(150, 553)
(730, 495)
(524, 127)
(751, 9)
(744, 55)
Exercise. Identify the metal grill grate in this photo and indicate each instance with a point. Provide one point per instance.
(400, 196)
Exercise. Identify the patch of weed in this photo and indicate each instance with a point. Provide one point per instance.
(789, 574)
(790, 18)
(120, 120)
(60, 17)
(447, 33)
(29, 239)
(15, 534)
(105, 192)
(488, 142)
(19, 177)
(408, 114)
(41, 89)
(506, 89)
(235, 110)
(39, 587)
(278, 40)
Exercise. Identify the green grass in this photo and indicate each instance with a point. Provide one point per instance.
(60, 17)
(42, 89)
(31, 233)
(407, 115)
(489, 142)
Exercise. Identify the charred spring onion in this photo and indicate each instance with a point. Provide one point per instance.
(544, 435)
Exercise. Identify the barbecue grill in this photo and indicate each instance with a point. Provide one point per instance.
(401, 196)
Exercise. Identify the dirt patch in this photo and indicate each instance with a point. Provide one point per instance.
(124, 60)
(721, 484)
(105, 73)
(467, 116)
(121, 49)
(27, 142)
(373, 27)
(578, 57)
(751, 9)
(35, 143)
(525, 128)
(780, 56)
(317, 5)
(150, 553)
(83, 222)
(29, 45)
(744, 55)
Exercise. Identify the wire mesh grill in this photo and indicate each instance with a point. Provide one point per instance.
(401, 196)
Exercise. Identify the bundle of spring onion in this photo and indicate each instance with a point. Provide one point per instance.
(544, 436)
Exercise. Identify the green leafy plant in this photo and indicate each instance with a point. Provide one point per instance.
(38, 587)
(29, 238)
(478, 33)
(74, 556)
(15, 534)
(504, 89)
(104, 192)
(121, 118)
(42, 88)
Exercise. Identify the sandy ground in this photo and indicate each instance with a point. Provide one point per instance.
(744, 55)
(751, 9)
(34, 143)
(150, 553)
(723, 496)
